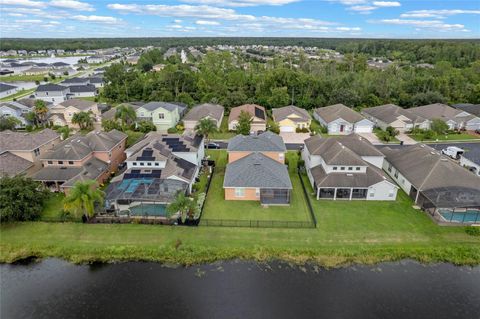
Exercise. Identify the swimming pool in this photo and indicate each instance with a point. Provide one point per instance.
(158, 210)
(470, 216)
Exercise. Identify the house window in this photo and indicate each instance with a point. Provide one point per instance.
(239, 192)
(69, 114)
(402, 181)
(335, 168)
(281, 156)
(396, 174)
(142, 114)
(157, 164)
(70, 162)
(50, 162)
(350, 168)
(109, 154)
(36, 151)
(390, 167)
(60, 162)
(134, 163)
(342, 168)
(257, 192)
(390, 194)
(161, 116)
(149, 164)
(372, 193)
(142, 164)
(357, 168)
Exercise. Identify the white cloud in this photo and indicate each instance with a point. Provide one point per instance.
(24, 3)
(29, 21)
(363, 9)
(241, 3)
(16, 14)
(72, 5)
(386, 4)
(177, 21)
(206, 22)
(349, 2)
(438, 14)
(97, 19)
(429, 24)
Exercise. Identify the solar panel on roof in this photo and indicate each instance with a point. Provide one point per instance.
(259, 113)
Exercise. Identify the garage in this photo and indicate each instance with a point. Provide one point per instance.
(287, 129)
(363, 126)
(473, 124)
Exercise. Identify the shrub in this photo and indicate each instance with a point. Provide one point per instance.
(301, 163)
(172, 130)
(301, 130)
(473, 231)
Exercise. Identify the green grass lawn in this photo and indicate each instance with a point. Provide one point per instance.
(22, 77)
(133, 137)
(449, 137)
(223, 133)
(53, 206)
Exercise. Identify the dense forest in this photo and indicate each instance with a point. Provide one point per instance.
(227, 79)
(458, 52)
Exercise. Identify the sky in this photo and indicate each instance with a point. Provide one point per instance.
(256, 18)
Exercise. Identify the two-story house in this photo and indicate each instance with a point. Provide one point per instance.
(256, 170)
(17, 110)
(346, 168)
(82, 157)
(163, 115)
(53, 93)
(290, 118)
(62, 114)
(342, 120)
(158, 167)
(20, 152)
(392, 115)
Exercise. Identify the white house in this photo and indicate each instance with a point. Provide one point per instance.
(52, 93)
(346, 168)
(455, 119)
(6, 90)
(342, 120)
(392, 115)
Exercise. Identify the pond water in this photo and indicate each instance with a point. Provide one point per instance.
(236, 289)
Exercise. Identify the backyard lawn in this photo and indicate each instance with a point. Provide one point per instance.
(223, 133)
(449, 137)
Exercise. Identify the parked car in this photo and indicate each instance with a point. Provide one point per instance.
(212, 145)
(453, 152)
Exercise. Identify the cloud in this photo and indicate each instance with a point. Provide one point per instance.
(241, 3)
(97, 19)
(349, 2)
(386, 4)
(205, 22)
(178, 21)
(16, 14)
(72, 5)
(438, 14)
(29, 21)
(23, 3)
(429, 24)
(363, 9)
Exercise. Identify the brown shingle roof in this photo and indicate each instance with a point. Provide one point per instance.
(201, 111)
(253, 109)
(18, 141)
(282, 113)
(333, 112)
(11, 164)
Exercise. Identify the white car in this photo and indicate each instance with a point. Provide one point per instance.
(453, 152)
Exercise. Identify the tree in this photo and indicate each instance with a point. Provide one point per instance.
(109, 125)
(126, 114)
(279, 97)
(21, 198)
(41, 110)
(244, 123)
(64, 132)
(389, 134)
(8, 122)
(183, 205)
(146, 126)
(206, 127)
(439, 126)
(82, 198)
(83, 120)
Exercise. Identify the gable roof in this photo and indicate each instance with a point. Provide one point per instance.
(78, 103)
(438, 111)
(282, 113)
(171, 142)
(257, 170)
(253, 109)
(333, 151)
(265, 142)
(20, 141)
(334, 112)
(76, 80)
(11, 164)
(51, 87)
(201, 111)
(473, 109)
(152, 106)
(82, 88)
(389, 113)
(6, 87)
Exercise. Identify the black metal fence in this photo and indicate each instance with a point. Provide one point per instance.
(257, 223)
(307, 198)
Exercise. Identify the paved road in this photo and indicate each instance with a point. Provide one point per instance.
(439, 146)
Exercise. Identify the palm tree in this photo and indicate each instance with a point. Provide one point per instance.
(205, 127)
(82, 198)
(126, 114)
(183, 205)
(40, 109)
(83, 119)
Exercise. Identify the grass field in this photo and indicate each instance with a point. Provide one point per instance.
(449, 137)
(223, 133)
(23, 78)
(347, 232)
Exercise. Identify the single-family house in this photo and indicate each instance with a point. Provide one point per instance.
(211, 111)
(7, 89)
(20, 152)
(90, 157)
(17, 110)
(455, 119)
(346, 168)
(75, 81)
(392, 115)
(290, 118)
(76, 91)
(257, 113)
(256, 170)
(52, 93)
(164, 115)
(473, 109)
(436, 183)
(62, 114)
(342, 120)
(36, 70)
(158, 167)
(97, 81)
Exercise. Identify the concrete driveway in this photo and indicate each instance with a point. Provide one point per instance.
(371, 137)
(294, 138)
(407, 140)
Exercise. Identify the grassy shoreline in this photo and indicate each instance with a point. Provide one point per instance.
(80, 243)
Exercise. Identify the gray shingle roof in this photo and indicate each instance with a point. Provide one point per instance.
(151, 106)
(82, 88)
(265, 142)
(259, 171)
(334, 112)
(389, 113)
(201, 111)
(92, 169)
(282, 113)
(76, 80)
(473, 109)
(18, 141)
(6, 87)
(51, 87)
(79, 104)
(11, 164)
(333, 151)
